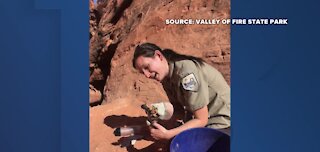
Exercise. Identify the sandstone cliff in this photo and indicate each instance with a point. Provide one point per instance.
(117, 26)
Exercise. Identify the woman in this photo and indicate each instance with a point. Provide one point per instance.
(197, 86)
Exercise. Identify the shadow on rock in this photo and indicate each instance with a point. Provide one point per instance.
(116, 121)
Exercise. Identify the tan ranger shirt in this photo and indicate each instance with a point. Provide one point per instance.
(195, 86)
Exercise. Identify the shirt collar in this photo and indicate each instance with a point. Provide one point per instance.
(171, 68)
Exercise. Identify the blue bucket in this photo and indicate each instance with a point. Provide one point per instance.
(201, 140)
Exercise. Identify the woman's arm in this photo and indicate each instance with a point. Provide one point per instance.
(200, 120)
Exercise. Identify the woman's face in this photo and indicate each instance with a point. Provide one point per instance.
(155, 67)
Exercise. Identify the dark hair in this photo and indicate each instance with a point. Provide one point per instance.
(148, 50)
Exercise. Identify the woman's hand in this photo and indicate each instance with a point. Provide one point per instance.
(159, 132)
(200, 120)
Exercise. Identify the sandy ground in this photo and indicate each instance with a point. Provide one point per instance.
(124, 112)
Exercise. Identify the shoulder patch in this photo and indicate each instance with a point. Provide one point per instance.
(190, 83)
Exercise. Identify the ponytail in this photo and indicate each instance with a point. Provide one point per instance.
(170, 55)
(148, 50)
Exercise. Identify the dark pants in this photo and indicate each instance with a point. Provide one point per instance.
(225, 130)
